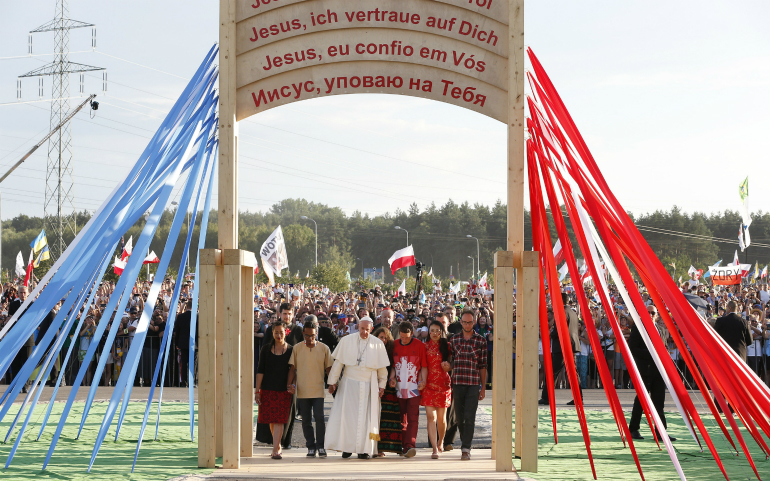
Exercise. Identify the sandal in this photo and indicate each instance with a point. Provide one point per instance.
(379, 455)
(276, 456)
(434, 456)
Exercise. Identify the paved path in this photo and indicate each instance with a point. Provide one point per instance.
(295, 465)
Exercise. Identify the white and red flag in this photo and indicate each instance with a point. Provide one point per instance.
(151, 258)
(118, 266)
(127, 249)
(745, 269)
(28, 274)
(401, 258)
(726, 276)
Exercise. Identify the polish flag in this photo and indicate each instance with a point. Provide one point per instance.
(745, 269)
(29, 269)
(118, 266)
(401, 258)
(129, 247)
(151, 258)
(558, 252)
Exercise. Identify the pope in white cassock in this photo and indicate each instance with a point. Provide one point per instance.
(354, 422)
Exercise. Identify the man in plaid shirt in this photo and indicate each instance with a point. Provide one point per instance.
(469, 370)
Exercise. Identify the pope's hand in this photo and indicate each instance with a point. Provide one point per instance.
(382, 391)
(332, 388)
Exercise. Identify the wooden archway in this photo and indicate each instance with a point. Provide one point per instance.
(469, 53)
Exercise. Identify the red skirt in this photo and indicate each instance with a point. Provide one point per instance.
(274, 407)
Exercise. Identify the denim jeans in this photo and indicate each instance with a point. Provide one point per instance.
(316, 406)
(581, 363)
(465, 400)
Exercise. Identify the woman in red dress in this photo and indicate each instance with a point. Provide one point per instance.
(273, 394)
(437, 394)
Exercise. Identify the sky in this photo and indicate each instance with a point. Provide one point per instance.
(672, 97)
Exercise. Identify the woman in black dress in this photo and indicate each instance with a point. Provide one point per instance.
(272, 394)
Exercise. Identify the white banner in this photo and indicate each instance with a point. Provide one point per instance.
(273, 254)
(725, 275)
(21, 269)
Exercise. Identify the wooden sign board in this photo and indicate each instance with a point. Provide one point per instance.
(449, 51)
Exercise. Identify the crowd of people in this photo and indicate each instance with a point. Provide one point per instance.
(83, 335)
(433, 351)
(304, 350)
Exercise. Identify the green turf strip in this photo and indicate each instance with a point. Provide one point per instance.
(171, 456)
(568, 459)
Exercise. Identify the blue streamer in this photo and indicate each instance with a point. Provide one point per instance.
(73, 277)
(155, 171)
(87, 307)
(176, 227)
(172, 308)
(196, 290)
(135, 349)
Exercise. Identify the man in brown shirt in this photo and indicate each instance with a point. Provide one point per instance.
(309, 362)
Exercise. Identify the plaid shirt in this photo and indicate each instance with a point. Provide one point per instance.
(469, 356)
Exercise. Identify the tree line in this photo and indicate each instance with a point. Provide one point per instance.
(438, 234)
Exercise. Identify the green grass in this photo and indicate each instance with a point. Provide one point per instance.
(174, 455)
(171, 456)
(568, 459)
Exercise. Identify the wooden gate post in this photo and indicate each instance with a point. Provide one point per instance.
(247, 355)
(238, 297)
(502, 374)
(210, 262)
(527, 328)
(516, 179)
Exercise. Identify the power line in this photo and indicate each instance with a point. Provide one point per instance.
(696, 236)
